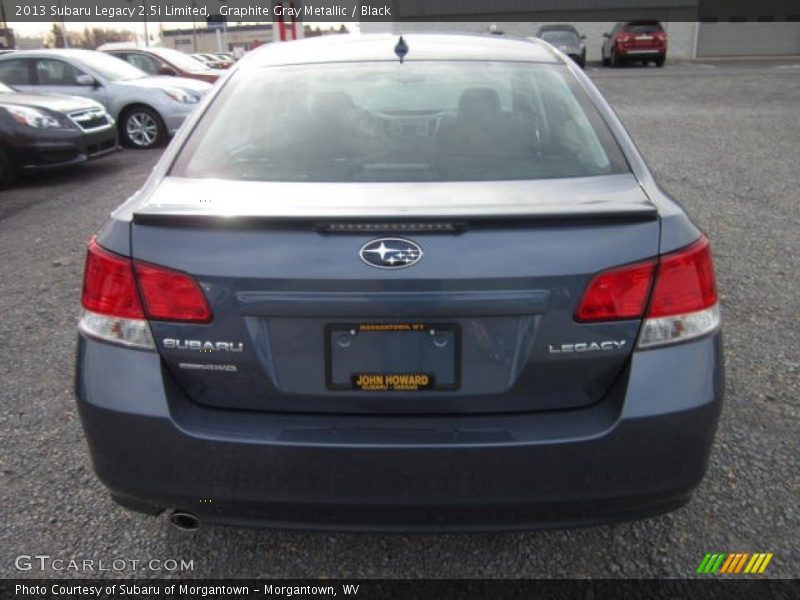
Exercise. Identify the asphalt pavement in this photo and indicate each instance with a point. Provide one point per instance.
(725, 140)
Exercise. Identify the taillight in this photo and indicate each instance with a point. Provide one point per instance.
(108, 284)
(616, 294)
(171, 295)
(685, 281)
(113, 309)
(682, 304)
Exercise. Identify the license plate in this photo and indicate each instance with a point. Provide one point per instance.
(393, 357)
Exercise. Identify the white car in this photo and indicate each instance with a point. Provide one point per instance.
(148, 109)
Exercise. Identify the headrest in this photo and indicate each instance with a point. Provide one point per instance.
(478, 102)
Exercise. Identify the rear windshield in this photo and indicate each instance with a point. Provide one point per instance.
(386, 121)
(644, 27)
(563, 36)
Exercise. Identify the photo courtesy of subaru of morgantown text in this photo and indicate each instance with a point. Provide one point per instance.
(399, 282)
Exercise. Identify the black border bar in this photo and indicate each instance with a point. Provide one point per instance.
(441, 589)
(509, 11)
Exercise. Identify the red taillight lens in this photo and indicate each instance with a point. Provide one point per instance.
(685, 281)
(108, 285)
(171, 295)
(619, 293)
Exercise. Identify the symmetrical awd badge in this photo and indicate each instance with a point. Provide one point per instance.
(390, 253)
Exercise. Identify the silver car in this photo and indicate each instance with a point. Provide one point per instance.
(147, 109)
(567, 39)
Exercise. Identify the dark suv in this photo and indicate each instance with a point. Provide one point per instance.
(642, 41)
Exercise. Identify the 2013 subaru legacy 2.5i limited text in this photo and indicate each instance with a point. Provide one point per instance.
(400, 283)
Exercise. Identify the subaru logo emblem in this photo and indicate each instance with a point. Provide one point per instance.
(390, 253)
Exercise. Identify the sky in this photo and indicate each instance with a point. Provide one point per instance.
(30, 29)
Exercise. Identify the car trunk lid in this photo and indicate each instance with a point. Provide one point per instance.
(303, 324)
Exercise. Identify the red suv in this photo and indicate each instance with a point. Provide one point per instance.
(642, 41)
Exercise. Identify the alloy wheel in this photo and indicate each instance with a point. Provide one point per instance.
(142, 129)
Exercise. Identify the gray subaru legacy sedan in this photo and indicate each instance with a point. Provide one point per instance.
(400, 283)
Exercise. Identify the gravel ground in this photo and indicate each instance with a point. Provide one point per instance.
(724, 138)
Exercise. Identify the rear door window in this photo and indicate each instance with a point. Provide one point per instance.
(55, 72)
(145, 63)
(15, 72)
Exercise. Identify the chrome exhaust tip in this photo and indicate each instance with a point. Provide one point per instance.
(184, 521)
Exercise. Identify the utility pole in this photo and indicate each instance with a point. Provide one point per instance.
(146, 35)
(8, 39)
(194, 29)
(64, 40)
(144, 18)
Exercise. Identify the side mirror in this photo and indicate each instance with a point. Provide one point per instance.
(583, 36)
(606, 35)
(86, 80)
(167, 71)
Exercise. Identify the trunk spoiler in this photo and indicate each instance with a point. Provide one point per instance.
(406, 206)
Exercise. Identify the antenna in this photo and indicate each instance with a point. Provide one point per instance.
(401, 49)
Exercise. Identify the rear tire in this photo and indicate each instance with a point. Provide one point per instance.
(8, 172)
(142, 128)
(616, 61)
(660, 61)
(606, 61)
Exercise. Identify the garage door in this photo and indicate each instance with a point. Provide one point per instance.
(754, 39)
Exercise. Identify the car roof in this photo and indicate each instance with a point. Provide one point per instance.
(421, 46)
(640, 22)
(558, 27)
(76, 53)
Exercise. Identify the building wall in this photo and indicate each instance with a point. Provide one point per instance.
(30, 43)
(750, 38)
(681, 33)
(207, 40)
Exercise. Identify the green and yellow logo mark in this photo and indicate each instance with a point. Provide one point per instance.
(735, 562)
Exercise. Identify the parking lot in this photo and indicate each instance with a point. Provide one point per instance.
(723, 137)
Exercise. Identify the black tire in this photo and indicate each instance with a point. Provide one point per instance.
(616, 61)
(660, 61)
(142, 128)
(606, 61)
(8, 172)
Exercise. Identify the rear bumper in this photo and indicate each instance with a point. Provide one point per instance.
(641, 52)
(638, 452)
